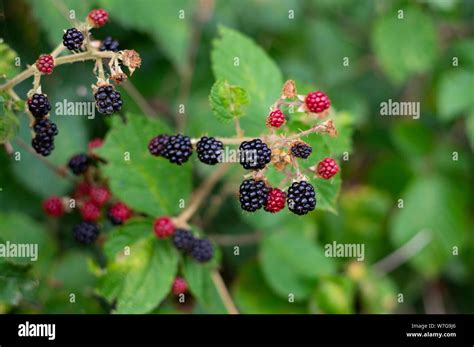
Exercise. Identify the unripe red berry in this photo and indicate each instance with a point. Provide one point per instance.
(275, 119)
(118, 213)
(53, 206)
(180, 286)
(98, 17)
(99, 195)
(95, 143)
(276, 200)
(45, 64)
(90, 212)
(82, 190)
(163, 227)
(327, 168)
(317, 102)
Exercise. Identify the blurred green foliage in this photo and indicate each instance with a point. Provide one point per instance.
(421, 51)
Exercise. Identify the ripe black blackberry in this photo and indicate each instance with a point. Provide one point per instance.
(73, 39)
(157, 144)
(178, 149)
(43, 142)
(45, 127)
(209, 150)
(254, 154)
(202, 250)
(79, 163)
(86, 232)
(183, 240)
(42, 147)
(107, 99)
(109, 44)
(39, 105)
(253, 195)
(301, 150)
(301, 198)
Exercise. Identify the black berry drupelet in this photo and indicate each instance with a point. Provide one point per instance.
(253, 195)
(109, 44)
(178, 149)
(39, 105)
(107, 99)
(202, 250)
(45, 131)
(209, 150)
(254, 154)
(73, 39)
(42, 147)
(156, 146)
(301, 198)
(301, 150)
(79, 163)
(183, 240)
(86, 232)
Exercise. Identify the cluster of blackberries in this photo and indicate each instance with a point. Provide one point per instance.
(73, 39)
(44, 129)
(254, 154)
(107, 99)
(200, 249)
(253, 195)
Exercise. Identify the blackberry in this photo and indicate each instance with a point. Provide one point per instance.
(45, 130)
(253, 195)
(86, 232)
(183, 240)
(202, 250)
(180, 286)
(178, 149)
(254, 154)
(301, 150)
(107, 99)
(119, 213)
(42, 147)
(301, 198)
(109, 44)
(73, 39)
(39, 105)
(79, 163)
(157, 144)
(209, 150)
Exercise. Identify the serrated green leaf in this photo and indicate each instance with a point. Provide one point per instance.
(201, 285)
(238, 60)
(455, 92)
(433, 205)
(7, 63)
(300, 262)
(9, 125)
(146, 183)
(227, 101)
(405, 46)
(15, 281)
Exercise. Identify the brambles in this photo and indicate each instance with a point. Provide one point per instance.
(73, 39)
(301, 150)
(53, 206)
(254, 154)
(180, 286)
(202, 250)
(209, 150)
(107, 99)
(98, 17)
(119, 213)
(45, 64)
(301, 198)
(317, 102)
(163, 227)
(276, 119)
(327, 168)
(79, 163)
(109, 44)
(183, 240)
(275, 200)
(38, 105)
(253, 195)
(86, 232)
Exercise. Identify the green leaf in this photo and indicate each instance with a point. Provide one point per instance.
(470, 128)
(238, 60)
(252, 295)
(227, 101)
(162, 20)
(127, 234)
(455, 92)
(201, 285)
(71, 273)
(292, 263)
(7, 64)
(378, 294)
(15, 282)
(333, 295)
(140, 280)
(405, 46)
(146, 183)
(436, 206)
(9, 125)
